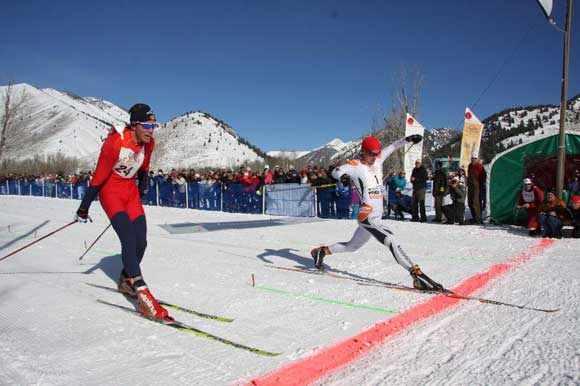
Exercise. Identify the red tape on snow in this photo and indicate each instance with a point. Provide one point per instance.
(310, 369)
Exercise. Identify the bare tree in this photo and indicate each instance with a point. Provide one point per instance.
(12, 104)
(405, 99)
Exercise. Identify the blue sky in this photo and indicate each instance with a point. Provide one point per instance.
(292, 74)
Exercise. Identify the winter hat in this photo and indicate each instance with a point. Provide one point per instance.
(398, 190)
(527, 181)
(454, 179)
(473, 155)
(141, 112)
(370, 143)
(575, 199)
(266, 166)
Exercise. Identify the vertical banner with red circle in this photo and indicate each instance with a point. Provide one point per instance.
(472, 130)
(412, 126)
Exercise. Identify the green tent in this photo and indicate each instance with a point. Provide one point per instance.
(538, 160)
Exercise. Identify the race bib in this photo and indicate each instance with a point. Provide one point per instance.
(129, 162)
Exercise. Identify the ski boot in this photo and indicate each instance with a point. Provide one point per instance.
(126, 285)
(424, 282)
(318, 256)
(148, 305)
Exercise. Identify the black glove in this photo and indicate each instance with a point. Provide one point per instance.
(83, 215)
(415, 138)
(142, 183)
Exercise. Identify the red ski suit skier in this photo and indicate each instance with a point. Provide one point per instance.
(120, 160)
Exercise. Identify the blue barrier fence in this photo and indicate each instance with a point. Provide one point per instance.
(293, 200)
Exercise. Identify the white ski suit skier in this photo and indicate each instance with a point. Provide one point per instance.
(367, 177)
(368, 182)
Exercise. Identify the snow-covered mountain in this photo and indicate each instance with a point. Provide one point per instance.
(521, 124)
(49, 121)
(197, 139)
(518, 125)
(332, 152)
(435, 139)
(337, 151)
(290, 155)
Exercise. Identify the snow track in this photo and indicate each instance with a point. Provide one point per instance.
(53, 332)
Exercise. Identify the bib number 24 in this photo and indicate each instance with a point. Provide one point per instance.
(123, 169)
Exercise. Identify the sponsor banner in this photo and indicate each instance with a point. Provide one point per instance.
(412, 126)
(471, 139)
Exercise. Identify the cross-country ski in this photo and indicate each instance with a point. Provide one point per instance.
(290, 193)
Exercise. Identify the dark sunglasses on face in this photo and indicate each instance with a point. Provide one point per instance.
(373, 154)
(149, 126)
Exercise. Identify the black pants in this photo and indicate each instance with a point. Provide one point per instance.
(133, 237)
(455, 213)
(438, 201)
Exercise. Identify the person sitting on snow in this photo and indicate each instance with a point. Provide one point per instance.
(402, 204)
(531, 198)
(552, 212)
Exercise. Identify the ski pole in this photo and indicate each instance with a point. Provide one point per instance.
(406, 151)
(94, 242)
(35, 241)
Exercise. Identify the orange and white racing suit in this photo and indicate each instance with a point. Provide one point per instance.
(368, 184)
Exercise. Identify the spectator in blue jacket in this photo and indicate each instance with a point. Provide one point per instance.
(394, 181)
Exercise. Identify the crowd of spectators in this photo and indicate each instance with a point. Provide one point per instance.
(312, 174)
(451, 191)
(75, 179)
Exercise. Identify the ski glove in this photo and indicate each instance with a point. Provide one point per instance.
(83, 215)
(143, 183)
(415, 138)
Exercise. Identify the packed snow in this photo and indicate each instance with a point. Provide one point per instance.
(54, 332)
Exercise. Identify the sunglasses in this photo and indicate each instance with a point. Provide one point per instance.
(149, 126)
(373, 154)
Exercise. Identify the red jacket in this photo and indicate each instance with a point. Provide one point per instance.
(533, 197)
(476, 174)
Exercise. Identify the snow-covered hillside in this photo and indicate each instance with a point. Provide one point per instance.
(49, 121)
(199, 140)
(519, 125)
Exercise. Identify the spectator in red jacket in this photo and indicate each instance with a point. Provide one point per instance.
(531, 198)
(475, 179)
(267, 175)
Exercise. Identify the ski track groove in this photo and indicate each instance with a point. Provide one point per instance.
(542, 349)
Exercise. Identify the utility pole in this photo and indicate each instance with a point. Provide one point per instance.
(563, 105)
